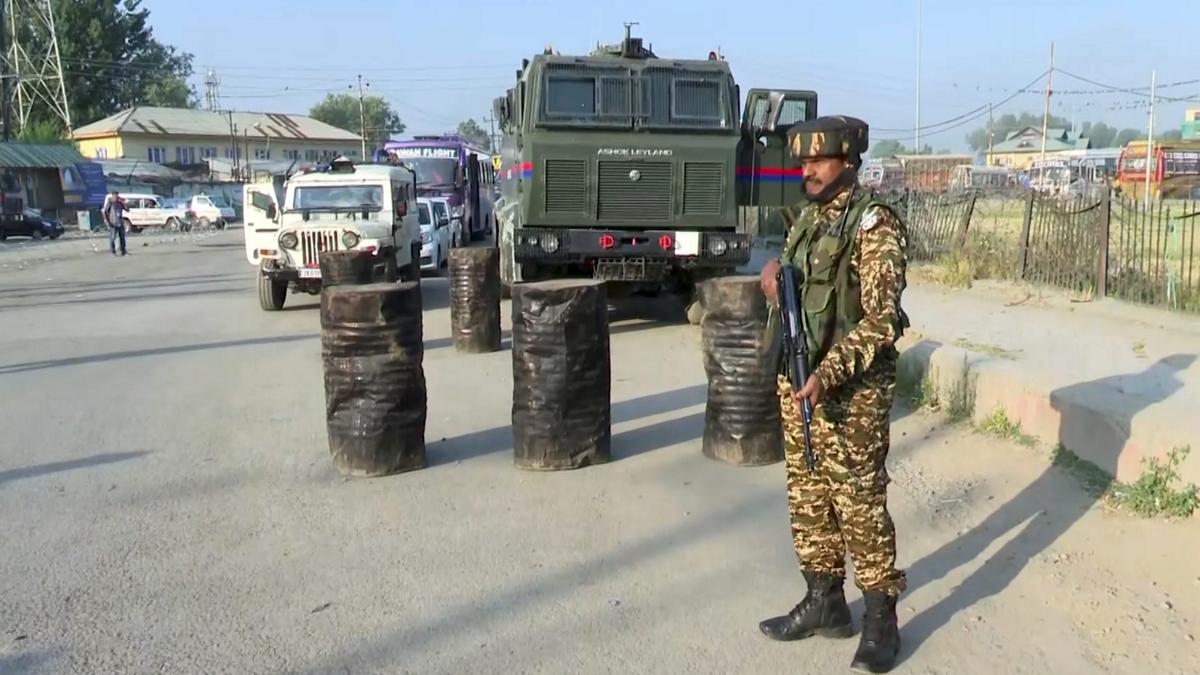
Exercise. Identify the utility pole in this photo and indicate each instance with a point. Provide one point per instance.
(233, 146)
(362, 119)
(991, 136)
(917, 127)
(1150, 142)
(5, 97)
(1046, 110)
(492, 133)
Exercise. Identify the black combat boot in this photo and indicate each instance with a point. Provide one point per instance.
(823, 611)
(880, 641)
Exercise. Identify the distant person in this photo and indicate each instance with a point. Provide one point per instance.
(114, 217)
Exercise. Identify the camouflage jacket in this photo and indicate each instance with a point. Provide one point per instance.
(877, 266)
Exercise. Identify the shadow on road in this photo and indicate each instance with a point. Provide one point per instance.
(69, 465)
(628, 444)
(241, 287)
(156, 351)
(113, 285)
(1043, 510)
(399, 641)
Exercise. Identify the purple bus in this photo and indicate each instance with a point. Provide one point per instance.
(450, 166)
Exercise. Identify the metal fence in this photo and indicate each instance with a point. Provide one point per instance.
(1095, 246)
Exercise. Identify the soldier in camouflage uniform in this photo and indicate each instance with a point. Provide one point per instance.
(848, 248)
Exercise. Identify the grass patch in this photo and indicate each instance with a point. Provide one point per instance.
(997, 424)
(960, 399)
(1155, 493)
(983, 348)
(1095, 481)
(918, 393)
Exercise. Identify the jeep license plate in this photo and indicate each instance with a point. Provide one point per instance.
(310, 272)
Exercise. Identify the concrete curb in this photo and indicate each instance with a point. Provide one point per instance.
(1099, 424)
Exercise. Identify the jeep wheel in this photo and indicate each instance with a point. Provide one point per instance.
(204, 223)
(271, 293)
(390, 273)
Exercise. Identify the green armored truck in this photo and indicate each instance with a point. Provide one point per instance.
(623, 166)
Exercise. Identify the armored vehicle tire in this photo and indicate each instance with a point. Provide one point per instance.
(271, 293)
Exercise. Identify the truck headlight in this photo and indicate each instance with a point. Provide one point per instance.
(349, 239)
(549, 243)
(289, 240)
(717, 246)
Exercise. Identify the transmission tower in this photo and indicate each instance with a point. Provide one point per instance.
(212, 90)
(34, 64)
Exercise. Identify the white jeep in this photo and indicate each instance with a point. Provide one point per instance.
(369, 207)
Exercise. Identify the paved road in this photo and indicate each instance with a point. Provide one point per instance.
(168, 505)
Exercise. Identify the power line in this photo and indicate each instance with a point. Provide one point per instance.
(965, 118)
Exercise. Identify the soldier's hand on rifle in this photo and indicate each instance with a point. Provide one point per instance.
(767, 279)
(813, 390)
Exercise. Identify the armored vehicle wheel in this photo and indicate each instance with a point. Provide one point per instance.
(271, 293)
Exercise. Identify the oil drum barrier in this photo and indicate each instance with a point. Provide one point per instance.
(561, 410)
(741, 419)
(375, 397)
(346, 268)
(475, 299)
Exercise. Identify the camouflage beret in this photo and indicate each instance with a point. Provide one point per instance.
(829, 136)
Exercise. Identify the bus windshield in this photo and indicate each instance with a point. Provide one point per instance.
(433, 171)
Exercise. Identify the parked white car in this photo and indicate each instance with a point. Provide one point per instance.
(148, 210)
(441, 209)
(203, 212)
(436, 238)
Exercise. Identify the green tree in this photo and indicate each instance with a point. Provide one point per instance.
(1124, 136)
(1170, 135)
(888, 148)
(341, 111)
(111, 61)
(476, 134)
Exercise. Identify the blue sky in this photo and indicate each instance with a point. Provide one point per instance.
(442, 62)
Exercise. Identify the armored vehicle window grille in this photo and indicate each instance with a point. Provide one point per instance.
(673, 97)
(566, 186)
(633, 191)
(703, 188)
(587, 95)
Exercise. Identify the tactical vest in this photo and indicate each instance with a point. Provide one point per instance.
(832, 292)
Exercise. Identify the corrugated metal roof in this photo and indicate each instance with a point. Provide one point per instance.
(38, 156)
(189, 122)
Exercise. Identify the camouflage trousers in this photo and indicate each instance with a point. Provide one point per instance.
(841, 506)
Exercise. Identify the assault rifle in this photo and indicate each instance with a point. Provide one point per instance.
(795, 347)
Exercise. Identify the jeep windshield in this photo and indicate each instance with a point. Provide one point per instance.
(335, 199)
(654, 98)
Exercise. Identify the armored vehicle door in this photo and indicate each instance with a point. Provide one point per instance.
(767, 175)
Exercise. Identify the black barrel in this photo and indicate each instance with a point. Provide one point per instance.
(375, 402)
(741, 419)
(475, 299)
(345, 268)
(561, 413)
